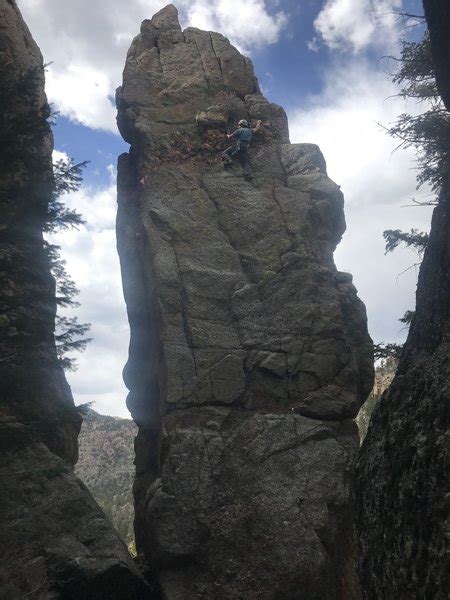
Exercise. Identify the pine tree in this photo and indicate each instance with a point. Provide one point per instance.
(415, 239)
(30, 204)
(429, 134)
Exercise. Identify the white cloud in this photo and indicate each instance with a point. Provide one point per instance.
(352, 25)
(58, 155)
(81, 93)
(376, 185)
(87, 42)
(93, 264)
(313, 44)
(247, 26)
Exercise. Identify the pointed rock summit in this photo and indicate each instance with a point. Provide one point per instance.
(249, 353)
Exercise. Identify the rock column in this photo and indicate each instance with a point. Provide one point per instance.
(249, 352)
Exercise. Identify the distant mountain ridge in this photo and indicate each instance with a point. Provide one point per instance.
(106, 455)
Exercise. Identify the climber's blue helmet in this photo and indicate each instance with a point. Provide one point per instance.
(243, 123)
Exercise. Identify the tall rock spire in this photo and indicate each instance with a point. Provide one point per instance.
(249, 352)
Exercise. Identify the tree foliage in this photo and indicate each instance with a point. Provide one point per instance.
(31, 191)
(408, 317)
(429, 131)
(387, 350)
(69, 333)
(70, 337)
(410, 239)
(67, 177)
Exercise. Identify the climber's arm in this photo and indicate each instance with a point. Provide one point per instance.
(232, 135)
(258, 126)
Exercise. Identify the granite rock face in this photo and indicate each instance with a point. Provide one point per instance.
(56, 543)
(401, 482)
(249, 352)
(54, 540)
(33, 384)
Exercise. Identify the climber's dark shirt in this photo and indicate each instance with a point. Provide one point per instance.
(243, 134)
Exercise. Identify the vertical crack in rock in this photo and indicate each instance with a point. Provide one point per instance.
(201, 60)
(216, 56)
(257, 355)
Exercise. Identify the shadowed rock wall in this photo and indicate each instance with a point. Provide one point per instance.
(54, 540)
(437, 13)
(33, 386)
(249, 352)
(401, 479)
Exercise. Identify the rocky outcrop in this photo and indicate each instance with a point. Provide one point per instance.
(401, 480)
(249, 353)
(401, 476)
(33, 388)
(54, 540)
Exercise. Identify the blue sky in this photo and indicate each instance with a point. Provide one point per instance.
(319, 59)
(81, 143)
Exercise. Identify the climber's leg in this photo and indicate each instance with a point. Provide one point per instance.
(245, 162)
(227, 154)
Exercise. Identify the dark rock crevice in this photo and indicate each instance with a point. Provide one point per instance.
(219, 63)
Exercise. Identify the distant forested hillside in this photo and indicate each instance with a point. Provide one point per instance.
(106, 467)
(384, 374)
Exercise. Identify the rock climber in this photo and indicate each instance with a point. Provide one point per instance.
(242, 137)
